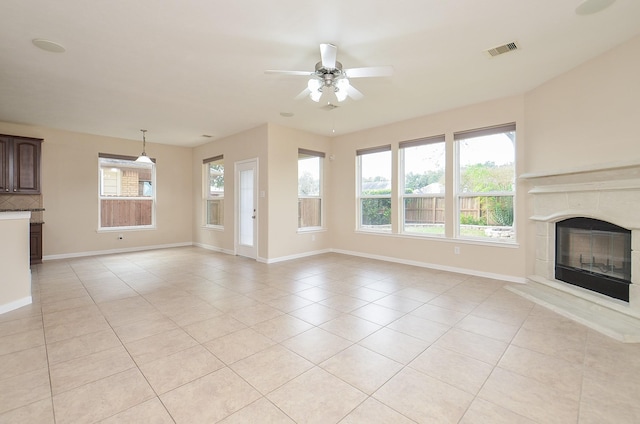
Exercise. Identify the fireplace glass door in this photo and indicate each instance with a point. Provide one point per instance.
(595, 255)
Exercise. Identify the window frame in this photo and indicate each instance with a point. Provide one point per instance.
(403, 196)
(106, 157)
(206, 192)
(306, 153)
(458, 194)
(360, 153)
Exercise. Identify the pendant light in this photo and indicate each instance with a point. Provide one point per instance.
(143, 157)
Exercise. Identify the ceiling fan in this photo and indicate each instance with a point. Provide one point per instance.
(330, 76)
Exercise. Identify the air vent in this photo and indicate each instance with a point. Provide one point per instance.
(505, 48)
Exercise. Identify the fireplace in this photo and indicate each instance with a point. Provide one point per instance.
(586, 262)
(595, 255)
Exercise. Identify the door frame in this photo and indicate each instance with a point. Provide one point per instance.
(241, 250)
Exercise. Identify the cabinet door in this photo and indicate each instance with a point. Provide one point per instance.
(5, 143)
(35, 243)
(26, 166)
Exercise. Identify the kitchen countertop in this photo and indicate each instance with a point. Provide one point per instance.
(23, 210)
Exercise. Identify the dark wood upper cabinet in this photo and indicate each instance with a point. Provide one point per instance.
(19, 165)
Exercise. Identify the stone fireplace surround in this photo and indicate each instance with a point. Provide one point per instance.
(610, 193)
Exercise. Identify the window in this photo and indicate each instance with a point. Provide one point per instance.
(309, 189)
(126, 192)
(374, 188)
(214, 191)
(423, 190)
(486, 183)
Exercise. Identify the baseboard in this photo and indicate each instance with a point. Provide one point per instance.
(214, 248)
(19, 303)
(296, 256)
(112, 251)
(473, 272)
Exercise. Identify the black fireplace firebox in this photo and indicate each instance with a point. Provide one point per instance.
(595, 255)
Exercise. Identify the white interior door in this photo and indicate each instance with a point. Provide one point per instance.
(247, 209)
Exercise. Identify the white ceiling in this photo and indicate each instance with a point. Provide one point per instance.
(184, 68)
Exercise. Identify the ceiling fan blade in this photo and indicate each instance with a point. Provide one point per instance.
(328, 54)
(354, 93)
(372, 71)
(304, 93)
(301, 73)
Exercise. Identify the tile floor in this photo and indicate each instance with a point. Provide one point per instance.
(190, 336)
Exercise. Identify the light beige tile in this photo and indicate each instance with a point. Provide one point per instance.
(529, 398)
(103, 398)
(487, 327)
(174, 370)
(71, 316)
(362, 368)
(19, 325)
(253, 315)
(213, 328)
(260, 411)
(196, 312)
(86, 369)
(454, 303)
(417, 294)
(316, 397)
(316, 344)
(160, 345)
(271, 368)
(151, 411)
(350, 327)
(409, 390)
(483, 412)
(569, 347)
(438, 314)
(458, 370)
(601, 388)
(474, 345)
(373, 412)
(91, 324)
(399, 303)
(23, 361)
(343, 303)
(40, 412)
(20, 341)
(24, 389)
(66, 304)
(144, 328)
(282, 327)
(366, 294)
(315, 314)
(599, 411)
(238, 345)
(82, 345)
(377, 314)
(554, 372)
(395, 345)
(210, 398)
(420, 328)
(131, 309)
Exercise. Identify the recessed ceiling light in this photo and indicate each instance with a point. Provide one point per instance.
(286, 114)
(48, 45)
(589, 7)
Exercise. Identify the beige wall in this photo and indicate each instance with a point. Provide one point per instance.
(284, 238)
(251, 144)
(70, 192)
(483, 259)
(588, 115)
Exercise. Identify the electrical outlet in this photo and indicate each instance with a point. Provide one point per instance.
(456, 250)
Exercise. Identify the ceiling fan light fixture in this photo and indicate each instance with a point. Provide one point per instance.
(143, 158)
(315, 89)
(342, 89)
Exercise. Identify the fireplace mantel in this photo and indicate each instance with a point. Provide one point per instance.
(608, 192)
